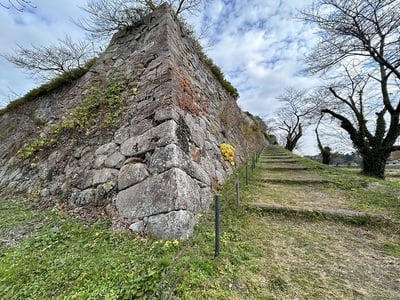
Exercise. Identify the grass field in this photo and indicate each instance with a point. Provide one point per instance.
(264, 255)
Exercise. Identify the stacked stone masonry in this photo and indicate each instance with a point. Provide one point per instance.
(155, 172)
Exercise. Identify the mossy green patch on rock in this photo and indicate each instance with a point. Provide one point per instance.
(102, 106)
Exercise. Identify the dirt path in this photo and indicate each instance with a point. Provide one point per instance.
(286, 184)
(313, 249)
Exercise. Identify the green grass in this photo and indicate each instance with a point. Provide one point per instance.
(13, 213)
(263, 255)
(70, 259)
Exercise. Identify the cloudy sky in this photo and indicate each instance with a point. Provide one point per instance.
(259, 45)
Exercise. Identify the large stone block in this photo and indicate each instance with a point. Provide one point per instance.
(172, 156)
(115, 160)
(170, 191)
(131, 174)
(104, 175)
(197, 133)
(159, 136)
(106, 149)
(173, 225)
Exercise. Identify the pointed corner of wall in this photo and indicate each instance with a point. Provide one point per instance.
(159, 160)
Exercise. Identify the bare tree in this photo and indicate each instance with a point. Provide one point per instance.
(179, 6)
(182, 6)
(18, 5)
(105, 17)
(326, 151)
(47, 61)
(364, 34)
(293, 116)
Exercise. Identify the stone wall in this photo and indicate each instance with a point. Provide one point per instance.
(155, 170)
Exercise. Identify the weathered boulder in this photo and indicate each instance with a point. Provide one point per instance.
(115, 160)
(172, 225)
(103, 176)
(169, 191)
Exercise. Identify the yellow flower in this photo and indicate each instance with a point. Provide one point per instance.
(228, 152)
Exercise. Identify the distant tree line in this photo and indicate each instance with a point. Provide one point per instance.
(341, 159)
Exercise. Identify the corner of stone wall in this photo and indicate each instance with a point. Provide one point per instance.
(158, 168)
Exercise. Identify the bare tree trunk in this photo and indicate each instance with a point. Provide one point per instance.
(373, 165)
(293, 138)
(325, 151)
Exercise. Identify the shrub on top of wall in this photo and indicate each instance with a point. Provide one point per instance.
(209, 62)
(50, 86)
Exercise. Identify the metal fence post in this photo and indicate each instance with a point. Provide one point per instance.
(247, 174)
(237, 189)
(217, 225)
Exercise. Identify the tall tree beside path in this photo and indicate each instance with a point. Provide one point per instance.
(359, 42)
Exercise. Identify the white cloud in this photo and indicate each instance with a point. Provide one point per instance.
(258, 44)
(43, 25)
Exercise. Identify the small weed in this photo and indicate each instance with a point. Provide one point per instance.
(392, 248)
(277, 283)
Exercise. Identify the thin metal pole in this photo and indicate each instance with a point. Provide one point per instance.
(247, 174)
(217, 225)
(237, 189)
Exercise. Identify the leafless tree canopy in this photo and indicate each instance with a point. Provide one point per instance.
(359, 44)
(105, 17)
(294, 115)
(19, 5)
(47, 61)
(368, 29)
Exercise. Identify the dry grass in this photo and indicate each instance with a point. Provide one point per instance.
(270, 256)
(307, 196)
(314, 186)
(300, 257)
(323, 260)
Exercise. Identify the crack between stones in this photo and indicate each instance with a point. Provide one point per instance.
(167, 212)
